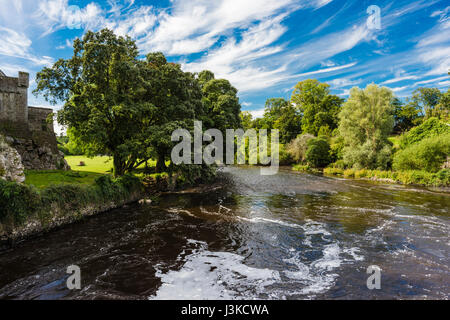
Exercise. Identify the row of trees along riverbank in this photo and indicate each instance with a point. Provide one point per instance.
(372, 134)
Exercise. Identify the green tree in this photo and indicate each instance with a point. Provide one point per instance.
(366, 120)
(220, 101)
(318, 152)
(246, 120)
(318, 108)
(280, 114)
(289, 124)
(406, 116)
(442, 109)
(176, 99)
(99, 87)
(426, 99)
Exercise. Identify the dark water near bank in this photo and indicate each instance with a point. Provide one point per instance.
(289, 236)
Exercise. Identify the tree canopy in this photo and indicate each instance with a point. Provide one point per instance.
(366, 120)
(318, 108)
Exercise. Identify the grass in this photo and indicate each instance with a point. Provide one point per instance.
(439, 179)
(395, 141)
(99, 164)
(45, 178)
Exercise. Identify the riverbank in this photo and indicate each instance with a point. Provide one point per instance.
(54, 198)
(27, 211)
(440, 180)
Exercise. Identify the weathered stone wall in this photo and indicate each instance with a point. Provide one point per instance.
(27, 128)
(37, 119)
(11, 168)
(14, 98)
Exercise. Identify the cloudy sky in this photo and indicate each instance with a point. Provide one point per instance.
(264, 47)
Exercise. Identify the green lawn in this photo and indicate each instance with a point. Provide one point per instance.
(94, 167)
(101, 164)
(45, 178)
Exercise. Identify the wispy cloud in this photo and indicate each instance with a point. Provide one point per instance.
(18, 45)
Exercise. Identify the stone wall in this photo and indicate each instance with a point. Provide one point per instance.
(37, 119)
(11, 168)
(26, 128)
(14, 98)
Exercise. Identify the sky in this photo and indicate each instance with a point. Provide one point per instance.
(264, 47)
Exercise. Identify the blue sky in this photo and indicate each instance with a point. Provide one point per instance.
(264, 47)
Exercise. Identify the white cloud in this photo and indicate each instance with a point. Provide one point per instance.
(434, 80)
(194, 26)
(343, 82)
(259, 113)
(18, 45)
(57, 14)
(403, 78)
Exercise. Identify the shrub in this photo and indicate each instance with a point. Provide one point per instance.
(17, 201)
(429, 154)
(333, 171)
(430, 128)
(285, 157)
(297, 148)
(318, 152)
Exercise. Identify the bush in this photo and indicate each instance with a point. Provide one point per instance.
(318, 152)
(430, 128)
(297, 148)
(17, 201)
(285, 157)
(429, 154)
(368, 156)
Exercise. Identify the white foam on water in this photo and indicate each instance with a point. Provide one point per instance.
(365, 210)
(354, 253)
(265, 220)
(178, 211)
(313, 227)
(213, 275)
(319, 276)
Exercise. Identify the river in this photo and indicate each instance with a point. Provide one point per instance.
(288, 236)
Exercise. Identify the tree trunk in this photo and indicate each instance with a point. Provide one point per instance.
(161, 163)
(119, 166)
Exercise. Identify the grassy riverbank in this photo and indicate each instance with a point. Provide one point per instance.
(417, 177)
(438, 179)
(27, 209)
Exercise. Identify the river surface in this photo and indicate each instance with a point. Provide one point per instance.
(288, 236)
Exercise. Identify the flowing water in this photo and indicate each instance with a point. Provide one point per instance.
(288, 236)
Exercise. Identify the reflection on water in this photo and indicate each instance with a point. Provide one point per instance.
(289, 236)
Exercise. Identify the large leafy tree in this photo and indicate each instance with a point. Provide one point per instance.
(280, 114)
(406, 115)
(442, 109)
(118, 105)
(220, 101)
(366, 120)
(100, 87)
(176, 98)
(426, 99)
(318, 108)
